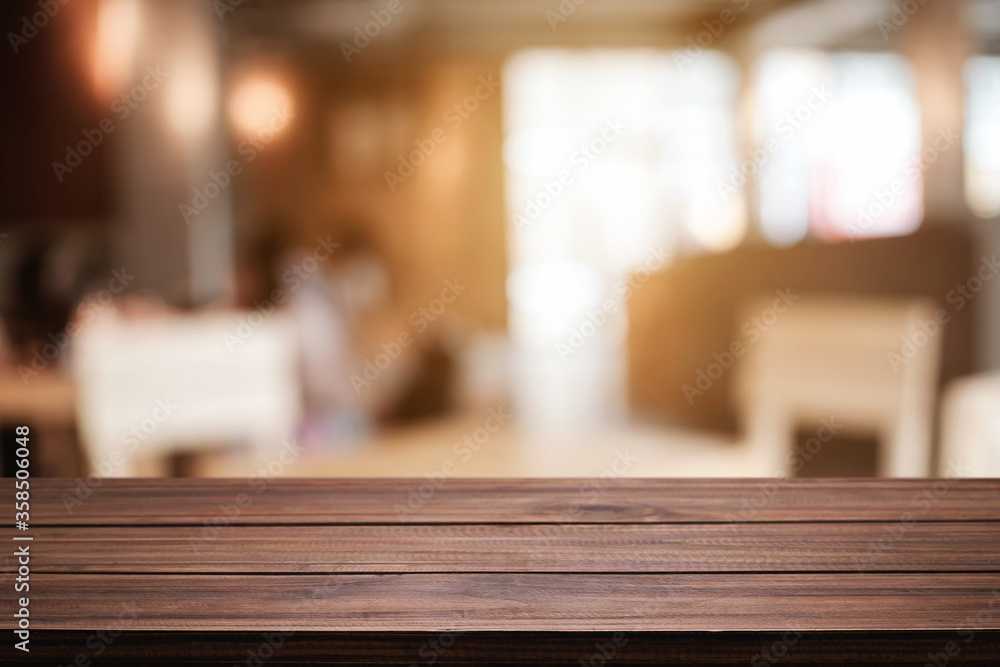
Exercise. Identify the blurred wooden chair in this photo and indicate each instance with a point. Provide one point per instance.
(841, 358)
(970, 427)
(183, 383)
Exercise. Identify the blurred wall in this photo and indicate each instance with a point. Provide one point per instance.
(344, 167)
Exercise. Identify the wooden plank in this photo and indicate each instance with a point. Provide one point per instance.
(789, 547)
(374, 501)
(521, 602)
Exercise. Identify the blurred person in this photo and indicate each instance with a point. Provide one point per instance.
(51, 280)
(328, 352)
(33, 310)
(397, 381)
(273, 272)
(345, 311)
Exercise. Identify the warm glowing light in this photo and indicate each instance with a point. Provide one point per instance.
(118, 26)
(259, 103)
(190, 96)
(717, 227)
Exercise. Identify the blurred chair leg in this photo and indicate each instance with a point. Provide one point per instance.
(769, 437)
(906, 449)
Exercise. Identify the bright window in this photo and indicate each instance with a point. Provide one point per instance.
(982, 135)
(840, 135)
(612, 158)
(660, 137)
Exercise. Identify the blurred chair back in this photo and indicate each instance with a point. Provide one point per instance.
(688, 312)
(970, 427)
(866, 365)
(180, 383)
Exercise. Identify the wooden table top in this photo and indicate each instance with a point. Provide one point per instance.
(566, 555)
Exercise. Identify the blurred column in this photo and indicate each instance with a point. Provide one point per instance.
(746, 135)
(170, 144)
(937, 41)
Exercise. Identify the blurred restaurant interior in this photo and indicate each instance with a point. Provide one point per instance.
(502, 238)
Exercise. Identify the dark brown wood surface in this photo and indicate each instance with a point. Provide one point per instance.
(870, 561)
(618, 548)
(59, 502)
(553, 602)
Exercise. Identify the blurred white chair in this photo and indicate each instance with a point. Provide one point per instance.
(830, 357)
(970, 427)
(172, 383)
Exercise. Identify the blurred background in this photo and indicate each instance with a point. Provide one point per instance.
(436, 238)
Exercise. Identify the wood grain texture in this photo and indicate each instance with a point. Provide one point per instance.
(697, 571)
(623, 548)
(380, 501)
(512, 602)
